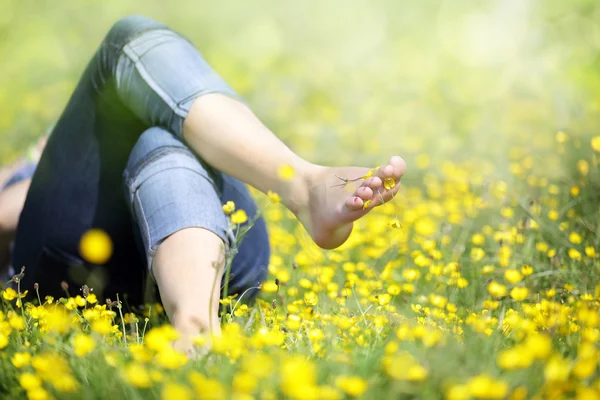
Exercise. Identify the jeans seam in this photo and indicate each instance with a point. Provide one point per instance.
(140, 55)
(146, 77)
(145, 222)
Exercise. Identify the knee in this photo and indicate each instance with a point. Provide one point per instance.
(150, 141)
(127, 27)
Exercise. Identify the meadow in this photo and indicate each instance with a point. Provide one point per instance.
(480, 280)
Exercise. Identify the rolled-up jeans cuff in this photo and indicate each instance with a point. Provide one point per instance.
(159, 74)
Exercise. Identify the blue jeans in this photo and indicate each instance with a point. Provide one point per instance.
(116, 160)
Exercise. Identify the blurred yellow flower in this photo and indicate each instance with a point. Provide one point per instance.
(353, 386)
(557, 369)
(29, 381)
(269, 286)
(286, 172)
(595, 143)
(137, 375)
(273, 197)
(513, 275)
(20, 360)
(176, 391)
(169, 358)
(483, 387)
(496, 289)
(96, 246)
(83, 344)
(519, 293)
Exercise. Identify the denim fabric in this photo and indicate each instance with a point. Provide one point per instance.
(24, 172)
(143, 78)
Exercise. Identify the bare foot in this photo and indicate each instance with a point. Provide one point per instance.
(339, 196)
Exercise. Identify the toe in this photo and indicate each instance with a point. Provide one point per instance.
(387, 171)
(354, 203)
(374, 182)
(364, 192)
(399, 166)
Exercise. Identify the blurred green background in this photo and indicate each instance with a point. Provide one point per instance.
(343, 81)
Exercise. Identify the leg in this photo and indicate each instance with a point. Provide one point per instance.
(188, 266)
(12, 198)
(315, 195)
(212, 123)
(175, 204)
(11, 203)
(169, 84)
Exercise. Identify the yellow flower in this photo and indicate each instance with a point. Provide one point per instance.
(269, 286)
(9, 294)
(574, 191)
(514, 358)
(574, 254)
(527, 270)
(395, 224)
(228, 207)
(557, 369)
(483, 387)
(298, 376)
(273, 197)
(389, 183)
(206, 388)
(496, 289)
(244, 382)
(38, 394)
(513, 276)
(353, 386)
(458, 392)
(96, 246)
(371, 172)
(425, 226)
(584, 368)
(286, 172)
(519, 293)
(64, 382)
(311, 298)
(416, 373)
(29, 381)
(394, 289)
(176, 391)
(575, 238)
(171, 359)
(138, 376)
(160, 338)
(487, 269)
(3, 340)
(102, 326)
(16, 322)
(20, 360)
(595, 143)
(366, 204)
(293, 322)
(83, 344)
(239, 217)
(478, 239)
(91, 298)
(57, 320)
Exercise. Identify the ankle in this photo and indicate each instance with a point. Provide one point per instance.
(297, 191)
